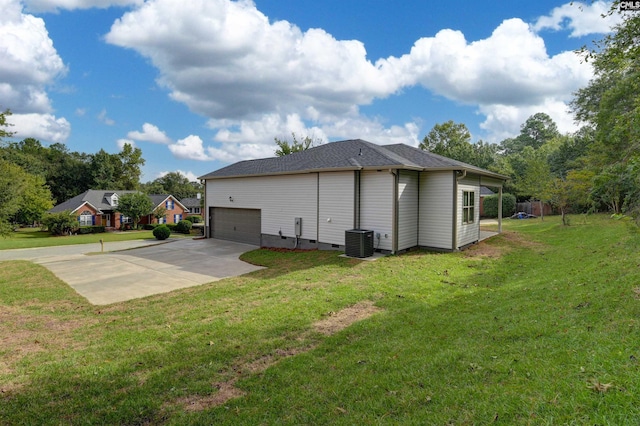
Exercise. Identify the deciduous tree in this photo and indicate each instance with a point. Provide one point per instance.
(453, 140)
(285, 147)
(173, 183)
(135, 206)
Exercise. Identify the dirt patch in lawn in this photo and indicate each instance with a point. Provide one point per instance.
(500, 245)
(23, 334)
(335, 322)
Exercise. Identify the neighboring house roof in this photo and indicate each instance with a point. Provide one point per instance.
(484, 191)
(354, 154)
(159, 199)
(99, 200)
(191, 202)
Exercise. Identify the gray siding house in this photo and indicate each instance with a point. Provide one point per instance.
(407, 197)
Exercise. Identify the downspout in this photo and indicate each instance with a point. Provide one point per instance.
(479, 205)
(394, 213)
(206, 209)
(318, 211)
(456, 182)
(356, 200)
(500, 210)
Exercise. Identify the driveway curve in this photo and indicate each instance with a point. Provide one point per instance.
(133, 269)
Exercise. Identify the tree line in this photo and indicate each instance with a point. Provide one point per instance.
(596, 168)
(34, 177)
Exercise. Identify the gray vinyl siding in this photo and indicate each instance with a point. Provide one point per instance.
(336, 210)
(436, 210)
(280, 198)
(468, 233)
(376, 206)
(408, 210)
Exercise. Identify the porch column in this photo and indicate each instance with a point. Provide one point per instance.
(500, 210)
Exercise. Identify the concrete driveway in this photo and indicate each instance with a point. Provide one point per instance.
(142, 268)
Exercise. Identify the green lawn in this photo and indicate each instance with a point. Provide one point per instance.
(34, 237)
(540, 325)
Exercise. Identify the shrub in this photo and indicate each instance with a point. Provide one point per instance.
(161, 232)
(149, 226)
(61, 223)
(194, 219)
(171, 226)
(490, 205)
(184, 227)
(96, 229)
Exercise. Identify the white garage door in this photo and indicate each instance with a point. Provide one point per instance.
(240, 225)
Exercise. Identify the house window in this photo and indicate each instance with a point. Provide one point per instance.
(468, 206)
(177, 218)
(162, 220)
(86, 218)
(195, 210)
(169, 205)
(125, 219)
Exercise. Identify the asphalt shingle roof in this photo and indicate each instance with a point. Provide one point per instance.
(190, 202)
(354, 154)
(98, 198)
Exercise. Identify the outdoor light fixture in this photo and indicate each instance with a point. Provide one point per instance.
(231, 199)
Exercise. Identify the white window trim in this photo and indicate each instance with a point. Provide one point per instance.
(83, 218)
(468, 207)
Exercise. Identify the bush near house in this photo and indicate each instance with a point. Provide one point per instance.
(60, 223)
(149, 226)
(194, 219)
(95, 229)
(490, 205)
(184, 226)
(161, 232)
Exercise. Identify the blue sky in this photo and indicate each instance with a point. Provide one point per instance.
(199, 84)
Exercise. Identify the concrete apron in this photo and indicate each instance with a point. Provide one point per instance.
(112, 277)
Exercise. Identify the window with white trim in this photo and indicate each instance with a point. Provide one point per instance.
(125, 219)
(195, 210)
(468, 207)
(177, 218)
(85, 218)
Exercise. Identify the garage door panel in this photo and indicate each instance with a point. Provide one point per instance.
(241, 225)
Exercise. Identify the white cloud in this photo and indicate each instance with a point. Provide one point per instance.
(258, 79)
(150, 133)
(247, 139)
(28, 60)
(37, 6)
(44, 127)
(28, 65)
(226, 60)
(504, 121)
(189, 175)
(511, 67)
(102, 117)
(581, 19)
(189, 148)
(192, 148)
(122, 142)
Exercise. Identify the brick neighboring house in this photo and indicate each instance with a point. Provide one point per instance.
(98, 207)
(193, 205)
(175, 210)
